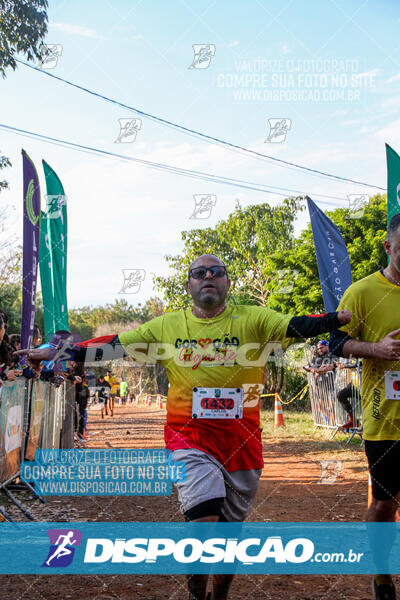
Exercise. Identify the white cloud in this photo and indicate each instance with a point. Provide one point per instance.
(392, 79)
(390, 133)
(71, 29)
(233, 44)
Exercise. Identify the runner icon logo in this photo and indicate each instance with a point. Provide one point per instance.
(62, 547)
(278, 129)
(203, 54)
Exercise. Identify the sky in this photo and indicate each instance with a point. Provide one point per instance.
(327, 71)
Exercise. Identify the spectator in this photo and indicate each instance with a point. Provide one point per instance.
(346, 394)
(123, 391)
(323, 361)
(90, 377)
(7, 360)
(77, 376)
(320, 365)
(37, 336)
(15, 341)
(104, 389)
(91, 381)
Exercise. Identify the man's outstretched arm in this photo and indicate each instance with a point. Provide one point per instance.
(386, 349)
(312, 325)
(104, 348)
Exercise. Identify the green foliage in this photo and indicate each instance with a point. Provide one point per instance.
(364, 239)
(11, 303)
(257, 242)
(23, 25)
(245, 242)
(295, 381)
(4, 162)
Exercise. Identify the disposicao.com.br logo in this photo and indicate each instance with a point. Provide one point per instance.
(191, 550)
(62, 547)
(179, 547)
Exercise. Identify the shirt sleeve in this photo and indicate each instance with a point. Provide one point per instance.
(272, 326)
(136, 340)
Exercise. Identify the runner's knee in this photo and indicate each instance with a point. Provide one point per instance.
(209, 508)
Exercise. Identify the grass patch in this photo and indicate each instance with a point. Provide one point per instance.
(299, 427)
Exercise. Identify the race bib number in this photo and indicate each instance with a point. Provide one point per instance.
(217, 403)
(392, 385)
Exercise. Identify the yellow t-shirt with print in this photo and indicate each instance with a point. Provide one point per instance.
(229, 351)
(375, 305)
(114, 383)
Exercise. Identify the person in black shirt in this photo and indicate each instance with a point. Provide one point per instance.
(103, 389)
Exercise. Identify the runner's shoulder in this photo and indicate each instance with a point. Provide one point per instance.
(359, 287)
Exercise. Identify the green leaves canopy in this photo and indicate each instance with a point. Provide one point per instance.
(258, 246)
(23, 25)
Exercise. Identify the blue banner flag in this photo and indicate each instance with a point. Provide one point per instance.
(332, 257)
(111, 548)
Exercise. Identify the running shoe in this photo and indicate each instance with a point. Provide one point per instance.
(385, 591)
(349, 424)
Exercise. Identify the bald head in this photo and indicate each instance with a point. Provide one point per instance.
(209, 290)
(200, 262)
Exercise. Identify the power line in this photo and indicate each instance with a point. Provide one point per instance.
(258, 187)
(208, 138)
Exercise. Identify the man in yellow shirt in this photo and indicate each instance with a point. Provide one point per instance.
(215, 356)
(374, 334)
(114, 385)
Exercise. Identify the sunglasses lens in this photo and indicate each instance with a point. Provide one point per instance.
(201, 272)
(218, 271)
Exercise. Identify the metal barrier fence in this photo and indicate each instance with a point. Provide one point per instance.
(327, 411)
(12, 404)
(33, 415)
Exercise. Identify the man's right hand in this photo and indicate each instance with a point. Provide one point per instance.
(388, 348)
(35, 356)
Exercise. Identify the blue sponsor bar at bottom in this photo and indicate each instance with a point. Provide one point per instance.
(175, 548)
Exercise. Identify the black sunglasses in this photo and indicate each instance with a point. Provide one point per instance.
(201, 272)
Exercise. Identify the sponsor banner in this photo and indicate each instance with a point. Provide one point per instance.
(332, 257)
(175, 548)
(11, 427)
(103, 472)
(31, 228)
(56, 301)
(393, 182)
(46, 277)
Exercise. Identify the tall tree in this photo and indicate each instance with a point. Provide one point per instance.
(23, 26)
(245, 241)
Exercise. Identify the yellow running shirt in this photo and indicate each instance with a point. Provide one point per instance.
(375, 304)
(114, 383)
(228, 351)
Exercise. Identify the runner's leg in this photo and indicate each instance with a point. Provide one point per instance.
(383, 457)
(197, 584)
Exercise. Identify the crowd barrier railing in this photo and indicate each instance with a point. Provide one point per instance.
(326, 409)
(33, 415)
